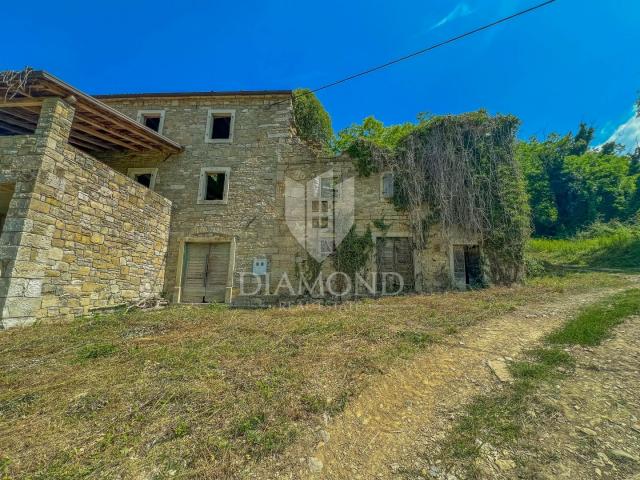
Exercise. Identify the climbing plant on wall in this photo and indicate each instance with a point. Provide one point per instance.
(459, 171)
(311, 119)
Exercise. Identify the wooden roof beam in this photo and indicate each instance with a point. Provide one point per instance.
(21, 103)
(88, 139)
(96, 125)
(112, 121)
(29, 117)
(12, 121)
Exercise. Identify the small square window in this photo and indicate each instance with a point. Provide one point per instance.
(220, 126)
(144, 176)
(214, 185)
(326, 187)
(153, 119)
(143, 179)
(320, 222)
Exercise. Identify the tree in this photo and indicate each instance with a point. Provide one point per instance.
(373, 130)
(582, 140)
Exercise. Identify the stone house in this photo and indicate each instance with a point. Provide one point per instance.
(199, 197)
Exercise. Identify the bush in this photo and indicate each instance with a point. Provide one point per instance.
(311, 119)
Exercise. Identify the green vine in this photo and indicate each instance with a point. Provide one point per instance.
(353, 253)
(459, 171)
(309, 271)
(380, 224)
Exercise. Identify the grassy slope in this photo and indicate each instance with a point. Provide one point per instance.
(206, 391)
(615, 247)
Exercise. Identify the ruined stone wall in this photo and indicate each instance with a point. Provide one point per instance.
(432, 268)
(19, 288)
(78, 234)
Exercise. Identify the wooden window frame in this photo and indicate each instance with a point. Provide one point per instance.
(211, 113)
(148, 113)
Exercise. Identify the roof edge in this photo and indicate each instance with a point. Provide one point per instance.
(81, 96)
(238, 93)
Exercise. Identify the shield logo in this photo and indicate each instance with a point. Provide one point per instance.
(320, 212)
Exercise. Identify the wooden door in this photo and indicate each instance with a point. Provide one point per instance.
(394, 255)
(459, 269)
(206, 267)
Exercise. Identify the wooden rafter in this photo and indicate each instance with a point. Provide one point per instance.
(22, 102)
(96, 126)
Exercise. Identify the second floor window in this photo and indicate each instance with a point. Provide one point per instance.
(214, 185)
(144, 176)
(220, 125)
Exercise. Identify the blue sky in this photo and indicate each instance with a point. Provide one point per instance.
(574, 61)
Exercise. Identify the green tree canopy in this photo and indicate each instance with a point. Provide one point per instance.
(571, 187)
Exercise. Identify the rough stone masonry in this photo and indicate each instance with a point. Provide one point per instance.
(78, 235)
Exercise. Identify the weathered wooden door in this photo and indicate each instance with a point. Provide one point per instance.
(394, 256)
(206, 267)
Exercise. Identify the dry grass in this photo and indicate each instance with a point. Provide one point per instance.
(192, 392)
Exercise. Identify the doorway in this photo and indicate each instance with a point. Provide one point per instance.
(467, 270)
(394, 255)
(206, 269)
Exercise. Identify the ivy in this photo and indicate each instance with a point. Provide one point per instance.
(311, 119)
(308, 269)
(459, 171)
(380, 224)
(353, 253)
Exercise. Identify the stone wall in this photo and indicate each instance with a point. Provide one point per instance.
(262, 138)
(265, 151)
(78, 234)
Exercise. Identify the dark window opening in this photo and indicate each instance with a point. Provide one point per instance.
(152, 122)
(6, 193)
(472, 266)
(144, 179)
(221, 128)
(215, 186)
(467, 265)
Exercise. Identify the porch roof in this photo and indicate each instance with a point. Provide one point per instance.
(96, 126)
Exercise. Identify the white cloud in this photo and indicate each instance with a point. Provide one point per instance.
(628, 134)
(461, 10)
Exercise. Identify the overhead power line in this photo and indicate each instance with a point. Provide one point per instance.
(427, 49)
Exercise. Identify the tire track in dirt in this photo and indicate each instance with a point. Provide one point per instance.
(383, 422)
